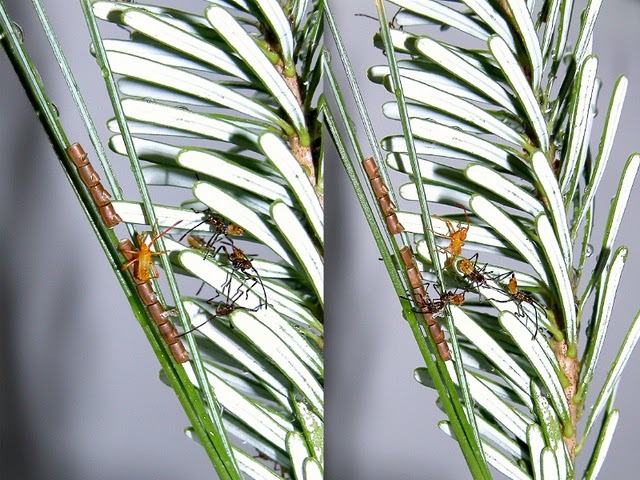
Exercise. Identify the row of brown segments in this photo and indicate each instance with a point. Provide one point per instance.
(420, 296)
(157, 311)
(381, 192)
(90, 178)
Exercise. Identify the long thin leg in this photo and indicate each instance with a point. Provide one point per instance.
(163, 233)
(129, 263)
(191, 229)
(154, 269)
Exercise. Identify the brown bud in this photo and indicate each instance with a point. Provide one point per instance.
(379, 188)
(443, 350)
(109, 216)
(387, 206)
(394, 225)
(407, 256)
(428, 318)
(88, 175)
(148, 296)
(77, 155)
(436, 333)
(370, 167)
(126, 246)
(100, 195)
(156, 311)
(179, 353)
(415, 278)
(169, 333)
(420, 294)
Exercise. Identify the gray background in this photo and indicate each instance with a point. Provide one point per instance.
(80, 394)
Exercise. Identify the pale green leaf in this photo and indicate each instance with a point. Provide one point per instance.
(496, 458)
(606, 143)
(534, 350)
(536, 442)
(580, 126)
(553, 431)
(255, 59)
(602, 445)
(298, 452)
(301, 245)
(550, 466)
(602, 315)
(173, 37)
(281, 157)
(510, 231)
(281, 356)
(464, 70)
(613, 377)
(504, 187)
(313, 470)
(560, 275)
(551, 191)
(507, 367)
(216, 166)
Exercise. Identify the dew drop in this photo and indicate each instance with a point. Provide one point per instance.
(19, 31)
(55, 109)
(589, 250)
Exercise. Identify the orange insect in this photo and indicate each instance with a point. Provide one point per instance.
(145, 268)
(457, 237)
(156, 310)
(521, 297)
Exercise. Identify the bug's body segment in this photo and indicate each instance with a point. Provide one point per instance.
(471, 273)
(381, 193)
(90, 178)
(150, 300)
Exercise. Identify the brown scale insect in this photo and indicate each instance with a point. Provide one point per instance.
(158, 313)
(423, 301)
(101, 197)
(381, 192)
